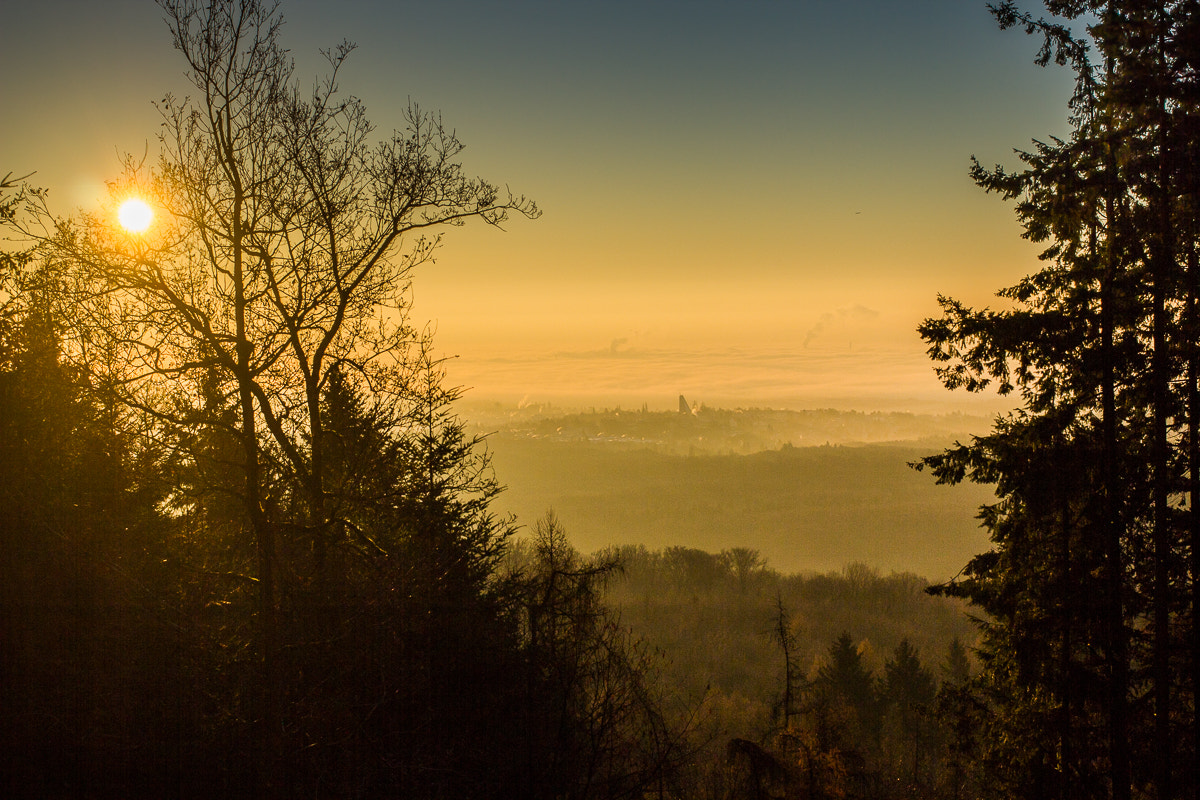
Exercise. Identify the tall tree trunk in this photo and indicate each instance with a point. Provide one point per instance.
(1118, 643)
(1162, 546)
(319, 521)
(268, 626)
(1193, 460)
(1162, 262)
(1066, 615)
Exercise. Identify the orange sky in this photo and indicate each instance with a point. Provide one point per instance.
(751, 203)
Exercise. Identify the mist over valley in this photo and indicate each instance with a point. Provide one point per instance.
(812, 490)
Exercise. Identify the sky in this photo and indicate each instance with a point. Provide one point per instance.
(750, 203)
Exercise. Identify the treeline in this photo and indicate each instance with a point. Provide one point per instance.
(804, 507)
(847, 684)
(716, 431)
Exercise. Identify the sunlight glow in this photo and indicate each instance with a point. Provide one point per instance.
(134, 215)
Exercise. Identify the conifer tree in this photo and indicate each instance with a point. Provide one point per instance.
(1089, 529)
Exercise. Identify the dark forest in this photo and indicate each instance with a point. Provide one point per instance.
(250, 548)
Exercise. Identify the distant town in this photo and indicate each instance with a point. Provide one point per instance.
(696, 429)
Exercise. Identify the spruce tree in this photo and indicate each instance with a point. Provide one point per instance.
(1089, 587)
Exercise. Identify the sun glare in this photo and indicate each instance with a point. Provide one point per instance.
(134, 215)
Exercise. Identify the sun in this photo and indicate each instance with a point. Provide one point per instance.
(134, 215)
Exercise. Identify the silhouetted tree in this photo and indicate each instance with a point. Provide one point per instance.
(956, 667)
(745, 563)
(845, 683)
(907, 694)
(595, 722)
(90, 663)
(960, 715)
(793, 678)
(1092, 542)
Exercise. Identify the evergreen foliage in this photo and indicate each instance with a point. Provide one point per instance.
(1090, 589)
(247, 547)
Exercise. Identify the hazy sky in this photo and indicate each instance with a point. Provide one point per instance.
(747, 202)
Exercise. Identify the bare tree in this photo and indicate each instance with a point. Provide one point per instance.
(283, 255)
(598, 724)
